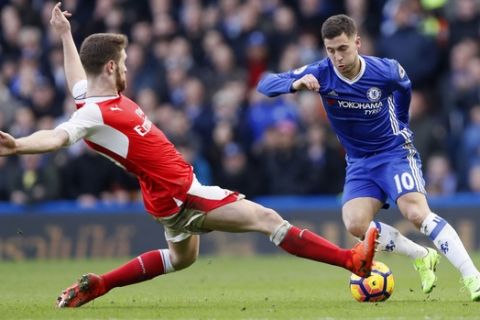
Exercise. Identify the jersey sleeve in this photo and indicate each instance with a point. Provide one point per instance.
(274, 84)
(79, 91)
(82, 123)
(402, 90)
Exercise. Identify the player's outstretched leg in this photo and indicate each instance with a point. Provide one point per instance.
(91, 286)
(306, 244)
(425, 259)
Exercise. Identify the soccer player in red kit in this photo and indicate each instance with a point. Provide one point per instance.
(117, 128)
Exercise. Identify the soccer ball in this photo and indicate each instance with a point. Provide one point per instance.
(377, 287)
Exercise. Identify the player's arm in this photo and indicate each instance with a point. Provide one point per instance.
(38, 142)
(74, 71)
(82, 123)
(402, 91)
(304, 78)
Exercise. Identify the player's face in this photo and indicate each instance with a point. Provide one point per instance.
(121, 72)
(343, 52)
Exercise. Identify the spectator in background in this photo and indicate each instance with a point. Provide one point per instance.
(44, 101)
(314, 12)
(222, 135)
(148, 99)
(465, 21)
(8, 104)
(190, 152)
(90, 178)
(24, 83)
(142, 71)
(470, 155)
(326, 164)
(285, 153)
(304, 51)
(458, 79)
(35, 181)
(256, 57)
(197, 109)
(264, 113)
(191, 19)
(115, 20)
(309, 49)
(9, 72)
(55, 61)
(290, 57)
(283, 32)
(439, 179)
(473, 92)
(11, 26)
(408, 46)
(224, 68)
(235, 172)
(24, 121)
(178, 128)
(430, 135)
(310, 110)
(474, 179)
(7, 169)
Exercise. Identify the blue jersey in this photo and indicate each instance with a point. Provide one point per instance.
(369, 114)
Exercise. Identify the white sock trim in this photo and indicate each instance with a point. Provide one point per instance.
(280, 232)
(167, 262)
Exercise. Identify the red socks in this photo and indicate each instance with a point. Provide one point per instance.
(306, 244)
(141, 268)
(301, 243)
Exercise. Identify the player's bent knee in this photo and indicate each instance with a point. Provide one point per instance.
(268, 219)
(185, 254)
(183, 261)
(357, 228)
(355, 224)
(415, 215)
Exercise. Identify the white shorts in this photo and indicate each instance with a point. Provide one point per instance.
(200, 200)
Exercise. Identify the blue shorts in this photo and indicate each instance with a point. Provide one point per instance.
(387, 175)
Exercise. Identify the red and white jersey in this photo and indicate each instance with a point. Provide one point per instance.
(117, 128)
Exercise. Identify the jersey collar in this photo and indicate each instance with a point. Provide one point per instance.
(359, 75)
(97, 99)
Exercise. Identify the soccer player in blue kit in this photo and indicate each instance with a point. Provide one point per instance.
(367, 100)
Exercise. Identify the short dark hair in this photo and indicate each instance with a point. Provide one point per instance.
(338, 24)
(99, 48)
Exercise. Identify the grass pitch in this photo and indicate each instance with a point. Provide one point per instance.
(265, 287)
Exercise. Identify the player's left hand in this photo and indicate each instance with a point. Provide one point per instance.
(59, 20)
(7, 144)
(307, 82)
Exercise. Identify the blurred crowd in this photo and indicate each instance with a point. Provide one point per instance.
(193, 66)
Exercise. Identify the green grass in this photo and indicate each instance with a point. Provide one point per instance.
(266, 287)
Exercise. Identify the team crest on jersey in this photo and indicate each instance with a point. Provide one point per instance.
(374, 94)
(299, 70)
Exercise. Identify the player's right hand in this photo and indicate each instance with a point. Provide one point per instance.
(7, 144)
(307, 82)
(59, 20)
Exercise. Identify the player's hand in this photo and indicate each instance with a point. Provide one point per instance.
(307, 82)
(7, 144)
(59, 20)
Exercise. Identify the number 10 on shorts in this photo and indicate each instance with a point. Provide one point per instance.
(404, 182)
